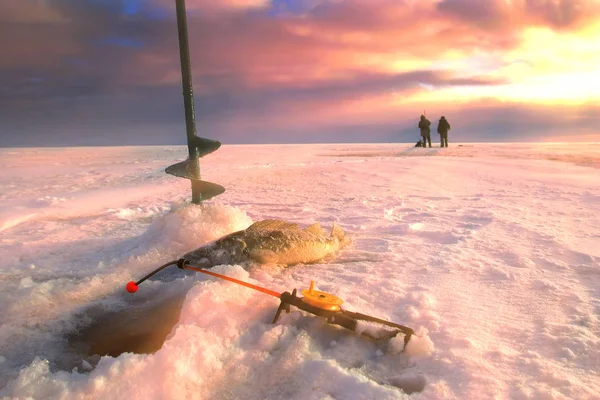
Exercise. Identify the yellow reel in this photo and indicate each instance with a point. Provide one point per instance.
(322, 300)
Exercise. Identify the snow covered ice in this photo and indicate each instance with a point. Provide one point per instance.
(489, 251)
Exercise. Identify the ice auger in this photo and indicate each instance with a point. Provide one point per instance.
(197, 146)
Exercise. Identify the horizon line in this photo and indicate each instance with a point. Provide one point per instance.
(299, 144)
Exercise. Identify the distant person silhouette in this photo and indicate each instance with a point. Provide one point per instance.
(443, 128)
(424, 126)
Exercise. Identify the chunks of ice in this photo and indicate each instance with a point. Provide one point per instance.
(26, 282)
(420, 344)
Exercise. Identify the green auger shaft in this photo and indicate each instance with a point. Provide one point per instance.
(197, 146)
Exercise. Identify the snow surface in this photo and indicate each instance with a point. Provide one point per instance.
(490, 252)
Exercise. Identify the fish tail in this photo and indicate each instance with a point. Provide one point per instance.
(338, 233)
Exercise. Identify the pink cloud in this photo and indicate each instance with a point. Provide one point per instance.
(503, 16)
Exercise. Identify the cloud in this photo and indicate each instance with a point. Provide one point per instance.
(505, 15)
(216, 6)
(562, 13)
(497, 121)
(328, 41)
(29, 12)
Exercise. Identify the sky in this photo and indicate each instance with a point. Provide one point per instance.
(107, 72)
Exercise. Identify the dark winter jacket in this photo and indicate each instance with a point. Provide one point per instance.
(424, 126)
(443, 126)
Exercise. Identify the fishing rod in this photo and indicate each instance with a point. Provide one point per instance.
(315, 302)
